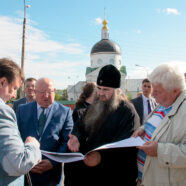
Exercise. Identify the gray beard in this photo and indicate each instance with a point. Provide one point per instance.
(98, 113)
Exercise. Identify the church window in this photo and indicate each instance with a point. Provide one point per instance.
(111, 61)
(100, 61)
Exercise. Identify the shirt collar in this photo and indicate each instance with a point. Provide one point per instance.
(39, 107)
(145, 98)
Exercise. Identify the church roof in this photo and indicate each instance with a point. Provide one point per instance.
(105, 45)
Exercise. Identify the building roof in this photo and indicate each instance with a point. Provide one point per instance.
(105, 45)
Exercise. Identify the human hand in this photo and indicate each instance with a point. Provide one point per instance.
(30, 139)
(139, 132)
(43, 166)
(92, 159)
(73, 143)
(150, 148)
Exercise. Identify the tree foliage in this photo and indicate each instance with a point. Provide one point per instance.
(61, 95)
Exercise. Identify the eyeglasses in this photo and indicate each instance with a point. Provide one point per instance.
(45, 92)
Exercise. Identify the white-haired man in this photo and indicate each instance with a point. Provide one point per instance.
(162, 159)
(108, 119)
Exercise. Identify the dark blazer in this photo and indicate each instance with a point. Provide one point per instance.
(138, 104)
(54, 137)
(18, 102)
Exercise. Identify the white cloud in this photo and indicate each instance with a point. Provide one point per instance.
(142, 72)
(169, 11)
(36, 40)
(40, 52)
(98, 21)
(139, 73)
(172, 11)
(58, 71)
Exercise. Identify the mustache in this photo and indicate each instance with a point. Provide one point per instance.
(101, 96)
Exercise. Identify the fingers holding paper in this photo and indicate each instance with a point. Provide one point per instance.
(139, 132)
(150, 148)
(43, 166)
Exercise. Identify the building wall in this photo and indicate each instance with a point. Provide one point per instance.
(101, 59)
(133, 86)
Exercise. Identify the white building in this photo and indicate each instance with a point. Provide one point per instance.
(102, 53)
(133, 86)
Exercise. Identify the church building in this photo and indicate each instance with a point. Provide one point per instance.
(102, 53)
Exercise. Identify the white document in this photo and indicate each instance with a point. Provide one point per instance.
(77, 156)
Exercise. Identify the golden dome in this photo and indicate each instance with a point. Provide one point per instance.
(105, 24)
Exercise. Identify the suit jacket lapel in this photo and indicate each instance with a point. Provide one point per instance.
(35, 120)
(23, 100)
(141, 108)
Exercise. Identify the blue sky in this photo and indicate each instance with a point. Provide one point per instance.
(61, 33)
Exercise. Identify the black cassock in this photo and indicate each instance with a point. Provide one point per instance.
(118, 166)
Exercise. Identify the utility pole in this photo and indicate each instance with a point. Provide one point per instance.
(23, 40)
(23, 47)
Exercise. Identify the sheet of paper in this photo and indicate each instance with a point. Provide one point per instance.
(129, 142)
(71, 157)
(63, 157)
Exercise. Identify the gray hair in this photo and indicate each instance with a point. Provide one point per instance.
(169, 76)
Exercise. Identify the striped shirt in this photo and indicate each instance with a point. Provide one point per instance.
(150, 126)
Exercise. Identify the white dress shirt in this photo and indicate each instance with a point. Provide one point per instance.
(40, 109)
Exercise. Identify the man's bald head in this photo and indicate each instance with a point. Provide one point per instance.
(45, 92)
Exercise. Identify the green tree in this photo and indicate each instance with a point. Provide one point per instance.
(57, 97)
(18, 93)
(123, 69)
(64, 94)
(129, 95)
(61, 95)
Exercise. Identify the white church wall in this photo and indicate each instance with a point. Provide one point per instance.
(101, 59)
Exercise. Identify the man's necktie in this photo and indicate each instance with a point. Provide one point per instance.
(42, 120)
(149, 107)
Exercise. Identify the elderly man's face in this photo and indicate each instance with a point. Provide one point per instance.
(45, 94)
(163, 96)
(104, 93)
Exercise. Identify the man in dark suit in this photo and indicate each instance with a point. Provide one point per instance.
(50, 123)
(144, 104)
(29, 89)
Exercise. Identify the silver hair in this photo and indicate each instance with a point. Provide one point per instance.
(169, 76)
